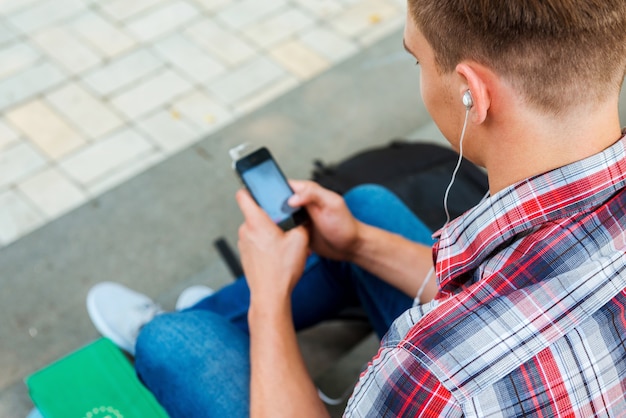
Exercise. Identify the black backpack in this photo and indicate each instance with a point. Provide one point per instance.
(418, 173)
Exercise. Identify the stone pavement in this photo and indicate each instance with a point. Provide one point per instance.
(93, 92)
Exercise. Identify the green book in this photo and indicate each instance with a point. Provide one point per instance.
(96, 381)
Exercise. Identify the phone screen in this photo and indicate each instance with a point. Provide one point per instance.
(269, 188)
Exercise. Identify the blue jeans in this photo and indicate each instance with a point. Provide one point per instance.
(196, 362)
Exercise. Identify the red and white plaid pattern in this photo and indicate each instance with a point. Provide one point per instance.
(530, 319)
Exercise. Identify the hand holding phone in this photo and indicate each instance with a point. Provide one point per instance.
(269, 188)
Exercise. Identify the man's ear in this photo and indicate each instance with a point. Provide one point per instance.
(477, 79)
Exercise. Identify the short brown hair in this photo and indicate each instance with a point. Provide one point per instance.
(552, 51)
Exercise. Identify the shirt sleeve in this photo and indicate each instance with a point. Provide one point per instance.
(395, 383)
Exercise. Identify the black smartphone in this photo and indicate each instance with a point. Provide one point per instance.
(269, 188)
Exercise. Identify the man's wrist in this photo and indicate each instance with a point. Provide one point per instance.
(359, 242)
(268, 311)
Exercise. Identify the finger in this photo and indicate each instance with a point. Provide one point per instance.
(299, 236)
(306, 193)
(298, 184)
(251, 211)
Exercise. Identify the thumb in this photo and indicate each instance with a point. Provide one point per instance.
(306, 192)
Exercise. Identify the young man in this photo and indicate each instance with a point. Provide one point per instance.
(528, 311)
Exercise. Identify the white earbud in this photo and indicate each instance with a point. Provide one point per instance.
(468, 101)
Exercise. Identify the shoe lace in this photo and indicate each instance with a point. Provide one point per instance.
(143, 314)
(147, 311)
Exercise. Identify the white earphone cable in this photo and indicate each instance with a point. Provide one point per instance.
(456, 169)
(428, 277)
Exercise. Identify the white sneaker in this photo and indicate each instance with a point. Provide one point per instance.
(118, 313)
(192, 295)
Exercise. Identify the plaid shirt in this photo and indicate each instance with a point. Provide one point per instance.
(530, 318)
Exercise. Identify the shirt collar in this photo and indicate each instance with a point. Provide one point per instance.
(467, 241)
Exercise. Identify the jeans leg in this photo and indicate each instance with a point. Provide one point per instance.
(377, 206)
(317, 297)
(196, 363)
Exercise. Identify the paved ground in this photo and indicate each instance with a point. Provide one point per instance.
(94, 92)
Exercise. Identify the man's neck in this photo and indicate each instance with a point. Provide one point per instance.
(529, 144)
